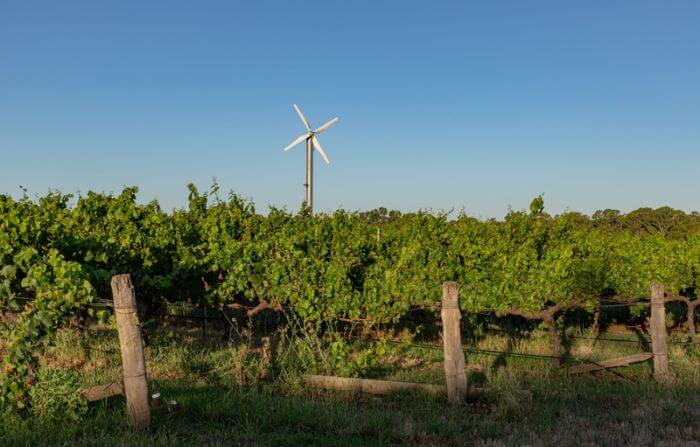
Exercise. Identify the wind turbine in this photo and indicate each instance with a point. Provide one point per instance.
(311, 144)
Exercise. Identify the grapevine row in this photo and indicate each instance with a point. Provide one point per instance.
(63, 250)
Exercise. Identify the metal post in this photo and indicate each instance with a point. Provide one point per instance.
(310, 174)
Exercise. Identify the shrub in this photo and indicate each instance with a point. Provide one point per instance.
(56, 397)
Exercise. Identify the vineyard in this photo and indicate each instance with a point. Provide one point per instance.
(336, 275)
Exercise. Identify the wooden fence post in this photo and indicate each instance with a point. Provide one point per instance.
(455, 363)
(133, 362)
(657, 328)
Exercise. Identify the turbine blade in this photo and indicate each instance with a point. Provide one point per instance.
(320, 150)
(327, 125)
(298, 140)
(303, 118)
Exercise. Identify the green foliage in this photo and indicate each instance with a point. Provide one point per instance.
(372, 268)
(60, 289)
(31, 264)
(664, 221)
(355, 360)
(56, 397)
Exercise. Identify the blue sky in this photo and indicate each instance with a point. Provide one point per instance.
(474, 105)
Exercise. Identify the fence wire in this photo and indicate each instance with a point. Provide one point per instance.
(202, 315)
(471, 350)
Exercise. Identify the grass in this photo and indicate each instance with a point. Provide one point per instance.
(229, 396)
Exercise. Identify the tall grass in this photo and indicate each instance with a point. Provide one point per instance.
(235, 391)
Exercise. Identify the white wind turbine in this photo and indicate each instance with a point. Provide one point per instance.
(311, 143)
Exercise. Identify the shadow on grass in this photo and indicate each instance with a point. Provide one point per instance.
(538, 412)
(212, 415)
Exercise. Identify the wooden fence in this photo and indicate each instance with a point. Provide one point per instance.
(457, 388)
(134, 384)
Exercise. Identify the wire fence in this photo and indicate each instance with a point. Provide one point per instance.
(496, 352)
(577, 337)
(206, 314)
(612, 305)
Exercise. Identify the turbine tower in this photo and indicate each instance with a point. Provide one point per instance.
(311, 144)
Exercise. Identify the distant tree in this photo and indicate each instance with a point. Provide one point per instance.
(380, 215)
(607, 219)
(579, 220)
(664, 221)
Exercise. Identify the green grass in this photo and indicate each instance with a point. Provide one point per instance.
(228, 400)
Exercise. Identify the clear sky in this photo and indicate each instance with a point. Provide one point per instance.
(474, 105)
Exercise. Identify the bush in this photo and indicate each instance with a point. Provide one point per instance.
(56, 397)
